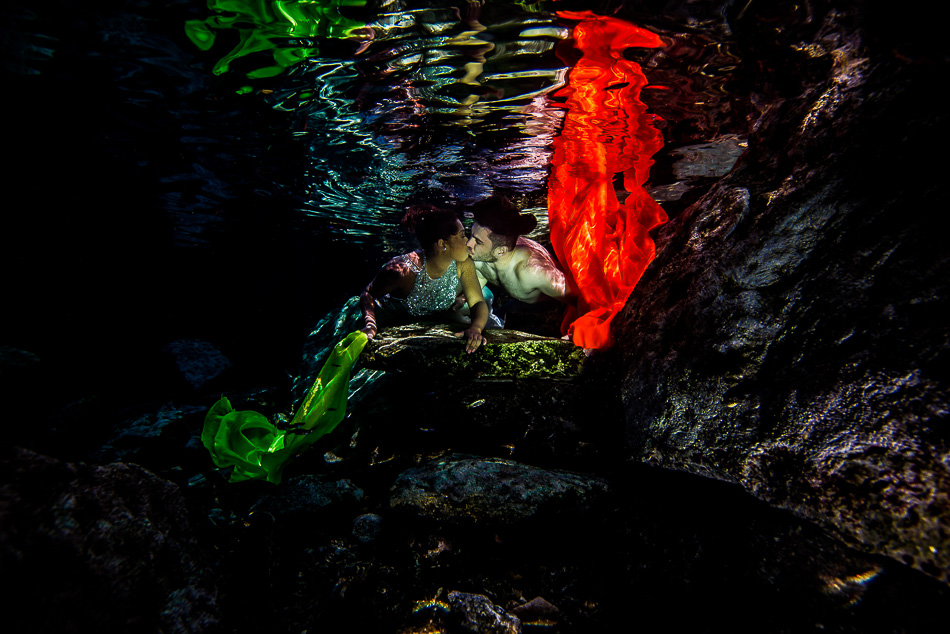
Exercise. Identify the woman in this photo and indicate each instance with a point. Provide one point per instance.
(429, 280)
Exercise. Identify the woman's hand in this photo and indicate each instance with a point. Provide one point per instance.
(474, 339)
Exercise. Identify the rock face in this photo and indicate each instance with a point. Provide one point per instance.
(108, 547)
(791, 335)
(478, 615)
(306, 495)
(498, 492)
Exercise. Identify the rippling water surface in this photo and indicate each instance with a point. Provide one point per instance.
(374, 102)
(446, 101)
(441, 102)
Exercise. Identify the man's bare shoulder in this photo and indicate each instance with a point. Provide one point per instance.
(539, 270)
(535, 257)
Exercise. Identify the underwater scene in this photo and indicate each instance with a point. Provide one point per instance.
(725, 407)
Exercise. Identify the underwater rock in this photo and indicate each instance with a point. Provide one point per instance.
(708, 160)
(148, 438)
(791, 335)
(537, 611)
(307, 494)
(734, 559)
(436, 351)
(476, 613)
(367, 527)
(464, 489)
(103, 548)
(198, 361)
(17, 365)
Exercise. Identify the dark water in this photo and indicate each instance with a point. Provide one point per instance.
(151, 200)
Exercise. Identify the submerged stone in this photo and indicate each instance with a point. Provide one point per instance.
(308, 494)
(367, 527)
(537, 611)
(435, 351)
(463, 489)
(476, 613)
(146, 438)
(103, 548)
(198, 361)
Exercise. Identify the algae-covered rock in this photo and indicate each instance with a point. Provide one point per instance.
(437, 351)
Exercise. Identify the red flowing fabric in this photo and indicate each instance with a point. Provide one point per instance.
(604, 245)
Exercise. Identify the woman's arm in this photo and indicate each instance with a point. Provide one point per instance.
(478, 309)
(368, 306)
(391, 276)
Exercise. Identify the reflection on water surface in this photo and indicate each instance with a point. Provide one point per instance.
(447, 101)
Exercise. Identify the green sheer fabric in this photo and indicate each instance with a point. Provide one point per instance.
(277, 27)
(255, 447)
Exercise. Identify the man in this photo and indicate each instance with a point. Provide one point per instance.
(504, 257)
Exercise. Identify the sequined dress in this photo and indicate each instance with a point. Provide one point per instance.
(428, 295)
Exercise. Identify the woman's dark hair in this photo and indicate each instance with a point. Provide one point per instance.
(503, 220)
(430, 224)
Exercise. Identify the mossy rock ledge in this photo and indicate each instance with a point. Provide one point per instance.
(509, 354)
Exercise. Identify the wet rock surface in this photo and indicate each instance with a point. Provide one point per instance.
(788, 338)
(477, 614)
(306, 496)
(498, 492)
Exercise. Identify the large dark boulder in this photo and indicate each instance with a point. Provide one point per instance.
(103, 548)
(791, 335)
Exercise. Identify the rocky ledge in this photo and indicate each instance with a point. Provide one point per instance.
(436, 350)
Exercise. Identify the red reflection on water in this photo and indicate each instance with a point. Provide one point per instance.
(604, 245)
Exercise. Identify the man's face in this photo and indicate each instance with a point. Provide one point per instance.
(479, 245)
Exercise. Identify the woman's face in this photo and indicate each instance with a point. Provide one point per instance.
(457, 244)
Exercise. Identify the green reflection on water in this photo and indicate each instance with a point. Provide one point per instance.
(283, 28)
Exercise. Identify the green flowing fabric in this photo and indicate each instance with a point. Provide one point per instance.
(277, 27)
(255, 447)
